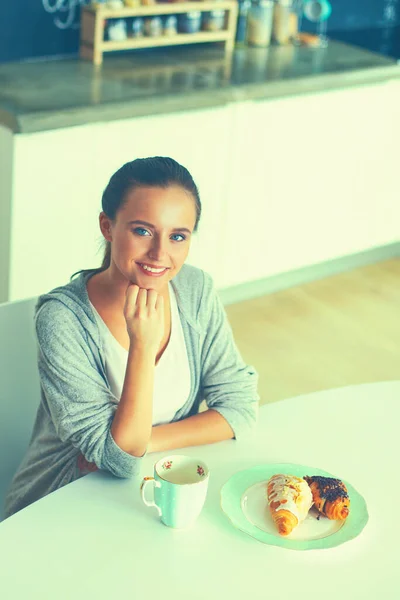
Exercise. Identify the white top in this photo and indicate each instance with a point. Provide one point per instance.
(172, 372)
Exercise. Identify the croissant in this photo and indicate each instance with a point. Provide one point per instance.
(330, 496)
(289, 500)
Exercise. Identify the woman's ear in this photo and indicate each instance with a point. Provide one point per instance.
(105, 226)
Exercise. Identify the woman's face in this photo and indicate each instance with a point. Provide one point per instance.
(151, 235)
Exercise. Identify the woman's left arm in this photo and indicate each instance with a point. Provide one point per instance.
(229, 386)
(205, 428)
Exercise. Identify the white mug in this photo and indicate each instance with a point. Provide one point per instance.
(180, 489)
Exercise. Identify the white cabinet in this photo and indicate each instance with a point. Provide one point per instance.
(54, 209)
(313, 178)
(284, 184)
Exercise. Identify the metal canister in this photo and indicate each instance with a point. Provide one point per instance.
(244, 7)
(189, 22)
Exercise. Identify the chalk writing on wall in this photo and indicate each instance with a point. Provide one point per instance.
(390, 9)
(66, 12)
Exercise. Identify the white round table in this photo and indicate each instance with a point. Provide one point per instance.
(95, 539)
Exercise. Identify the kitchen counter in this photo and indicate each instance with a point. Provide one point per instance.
(51, 95)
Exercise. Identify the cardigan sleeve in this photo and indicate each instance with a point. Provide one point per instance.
(229, 385)
(81, 405)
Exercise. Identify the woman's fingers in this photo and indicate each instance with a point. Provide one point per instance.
(151, 299)
(130, 299)
(160, 303)
(141, 300)
(144, 316)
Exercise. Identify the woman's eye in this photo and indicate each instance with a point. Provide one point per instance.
(141, 231)
(178, 235)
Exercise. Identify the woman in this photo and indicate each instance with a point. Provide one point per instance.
(127, 352)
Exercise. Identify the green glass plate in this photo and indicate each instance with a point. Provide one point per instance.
(243, 500)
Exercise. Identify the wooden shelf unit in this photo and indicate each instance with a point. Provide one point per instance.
(93, 45)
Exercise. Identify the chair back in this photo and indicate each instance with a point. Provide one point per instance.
(19, 387)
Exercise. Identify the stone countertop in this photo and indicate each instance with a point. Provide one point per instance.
(50, 95)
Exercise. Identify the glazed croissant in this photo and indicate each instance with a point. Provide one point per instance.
(330, 497)
(289, 500)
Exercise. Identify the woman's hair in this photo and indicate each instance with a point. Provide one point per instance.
(157, 171)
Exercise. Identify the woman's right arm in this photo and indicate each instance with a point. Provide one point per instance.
(132, 423)
(131, 426)
(78, 398)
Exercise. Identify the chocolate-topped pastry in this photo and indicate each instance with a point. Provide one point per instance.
(330, 496)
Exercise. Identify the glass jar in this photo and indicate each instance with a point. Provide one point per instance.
(115, 4)
(189, 22)
(170, 25)
(153, 26)
(282, 22)
(259, 23)
(117, 30)
(214, 20)
(137, 27)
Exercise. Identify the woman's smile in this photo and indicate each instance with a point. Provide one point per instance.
(152, 270)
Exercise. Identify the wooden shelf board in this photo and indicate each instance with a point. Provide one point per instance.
(167, 40)
(159, 9)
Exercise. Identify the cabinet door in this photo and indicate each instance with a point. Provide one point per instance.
(54, 209)
(313, 178)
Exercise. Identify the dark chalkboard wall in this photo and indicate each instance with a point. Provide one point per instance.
(39, 28)
(31, 29)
